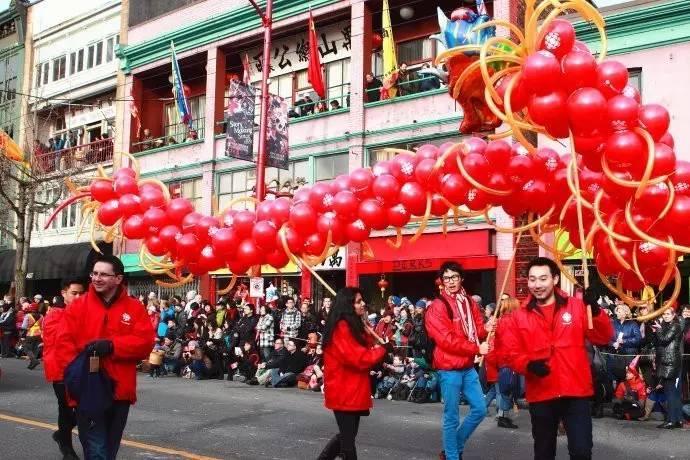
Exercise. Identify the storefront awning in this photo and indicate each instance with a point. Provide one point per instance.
(51, 262)
(6, 265)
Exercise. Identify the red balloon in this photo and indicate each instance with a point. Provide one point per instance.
(102, 190)
(398, 215)
(622, 112)
(619, 194)
(476, 199)
(402, 167)
(168, 236)
(154, 220)
(535, 195)
(342, 182)
(521, 168)
(681, 178)
(203, 228)
(427, 175)
(632, 92)
(281, 211)
(178, 208)
(518, 97)
(386, 188)
(264, 210)
(541, 73)
(329, 222)
(346, 204)
(498, 155)
(315, 244)
(134, 227)
(676, 221)
(189, 221)
(109, 213)
(664, 160)
(559, 38)
(237, 267)
(294, 240)
(653, 200)
(454, 187)
(655, 274)
(277, 259)
(587, 110)
(302, 195)
(224, 242)
(550, 159)
(357, 231)
(382, 167)
(248, 254)
(612, 78)
(413, 197)
(361, 180)
(228, 217)
(427, 151)
(152, 198)
(321, 197)
(264, 235)
(581, 46)
(124, 185)
(626, 151)
(373, 214)
(579, 70)
(438, 206)
(303, 218)
(155, 246)
(188, 247)
(668, 140)
(513, 206)
(475, 145)
(476, 166)
(655, 119)
(122, 172)
(548, 108)
(243, 223)
(208, 260)
(498, 181)
(129, 205)
(631, 282)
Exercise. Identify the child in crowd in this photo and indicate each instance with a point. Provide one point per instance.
(393, 374)
(630, 396)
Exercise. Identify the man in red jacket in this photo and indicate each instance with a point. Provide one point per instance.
(454, 323)
(54, 368)
(115, 328)
(545, 341)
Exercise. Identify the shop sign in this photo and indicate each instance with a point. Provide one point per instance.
(413, 265)
(256, 287)
(338, 261)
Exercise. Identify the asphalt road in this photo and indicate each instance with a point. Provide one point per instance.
(177, 418)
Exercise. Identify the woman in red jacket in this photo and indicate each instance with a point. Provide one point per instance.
(349, 355)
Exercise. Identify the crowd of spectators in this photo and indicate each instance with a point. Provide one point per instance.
(65, 151)
(407, 82)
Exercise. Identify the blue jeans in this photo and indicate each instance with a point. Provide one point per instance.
(453, 384)
(100, 437)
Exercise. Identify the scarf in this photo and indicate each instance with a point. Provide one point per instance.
(466, 320)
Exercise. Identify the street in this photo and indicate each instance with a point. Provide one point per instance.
(178, 418)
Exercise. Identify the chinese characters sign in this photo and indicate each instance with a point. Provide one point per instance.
(239, 116)
(337, 261)
(292, 54)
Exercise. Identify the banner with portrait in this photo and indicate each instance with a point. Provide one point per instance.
(277, 136)
(239, 119)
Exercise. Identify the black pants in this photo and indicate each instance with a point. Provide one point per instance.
(674, 403)
(343, 443)
(31, 345)
(100, 436)
(575, 413)
(5, 348)
(67, 419)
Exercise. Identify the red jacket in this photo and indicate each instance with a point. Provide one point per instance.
(53, 366)
(125, 322)
(453, 350)
(637, 385)
(526, 336)
(346, 371)
(494, 361)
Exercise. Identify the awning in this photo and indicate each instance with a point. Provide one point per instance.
(53, 262)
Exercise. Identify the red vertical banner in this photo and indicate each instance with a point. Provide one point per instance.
(314, 73)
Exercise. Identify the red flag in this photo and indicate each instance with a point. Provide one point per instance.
(246, 70)
(314, 73)
(134, 110)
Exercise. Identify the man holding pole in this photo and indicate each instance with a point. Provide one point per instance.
(545, 341)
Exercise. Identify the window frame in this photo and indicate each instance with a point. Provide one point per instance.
(90, 56)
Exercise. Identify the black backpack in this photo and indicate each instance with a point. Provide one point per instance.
(430, 346)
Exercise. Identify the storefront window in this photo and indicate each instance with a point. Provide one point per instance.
(234, 185)
(190, 189)
(330, 167)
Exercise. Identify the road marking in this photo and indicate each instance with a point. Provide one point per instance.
(125, 442)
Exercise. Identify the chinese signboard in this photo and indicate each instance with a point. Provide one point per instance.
(292, 54)
(239, 116)
(337, 261)
(277, 136)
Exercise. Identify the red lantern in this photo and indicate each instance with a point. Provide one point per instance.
(376, 41)
(383, 285)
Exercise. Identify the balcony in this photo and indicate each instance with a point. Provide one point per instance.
(74, 158)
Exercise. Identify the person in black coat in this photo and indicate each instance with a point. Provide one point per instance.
(668, 342)
(291, 366)
(245, 328)
(373, 87)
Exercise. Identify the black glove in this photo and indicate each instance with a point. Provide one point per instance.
(100, 347)
(590, 298)
(539, 368)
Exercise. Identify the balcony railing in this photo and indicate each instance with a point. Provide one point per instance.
(176, 134)
(74, 157)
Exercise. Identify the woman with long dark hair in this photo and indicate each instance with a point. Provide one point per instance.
(349, 354)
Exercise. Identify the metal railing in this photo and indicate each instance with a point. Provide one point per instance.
(407, 87)
(179, 135)
(74, 157)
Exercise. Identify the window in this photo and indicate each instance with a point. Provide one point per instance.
(298, 171)
(109, 49)
(338, 81)
(99, 53)
(89, 57)
(234, 185)
(8, 78)
(329, 167)
(173, 126)
(42, 74)
(72, 63)
(80, 60)
(46, 69)
(39, 77)
(190, 189)
(635, 78)
(415, 51)
(69, 214)
(59, 66)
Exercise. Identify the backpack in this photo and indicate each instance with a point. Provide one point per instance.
(430, 345)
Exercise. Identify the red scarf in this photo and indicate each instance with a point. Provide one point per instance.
(465, 309)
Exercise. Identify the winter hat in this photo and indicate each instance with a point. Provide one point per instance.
(395, 300)
(421, 303)
(405, 302)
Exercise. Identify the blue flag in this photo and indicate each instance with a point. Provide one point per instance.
(178, 90)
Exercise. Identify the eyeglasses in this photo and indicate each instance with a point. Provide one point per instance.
(448, 279)
(93, 275)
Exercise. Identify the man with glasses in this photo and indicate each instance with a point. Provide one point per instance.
(454, 324)
(115, 332)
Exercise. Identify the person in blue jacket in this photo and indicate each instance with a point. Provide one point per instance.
(167, 314)
(627, 337)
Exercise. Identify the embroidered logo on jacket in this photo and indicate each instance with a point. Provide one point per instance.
(126, 319)
(567, 318)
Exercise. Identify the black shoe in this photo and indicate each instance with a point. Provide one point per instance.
(32, 365)
(505, 422)
(670, 425)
